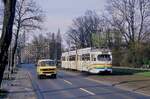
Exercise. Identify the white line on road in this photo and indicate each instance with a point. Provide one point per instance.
(89, 92)
(68, 82)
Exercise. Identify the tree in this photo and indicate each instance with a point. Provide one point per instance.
(1, 16)
(47, 46)
(80, 33)
(103, 37)
(131, 19)
(58, 47)
(40, 45)
(117, 48)
(53, 47)
(28, 16)
(5, 40)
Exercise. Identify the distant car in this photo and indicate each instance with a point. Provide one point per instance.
(46, 67)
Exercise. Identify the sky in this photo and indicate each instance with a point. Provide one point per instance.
(60, 13)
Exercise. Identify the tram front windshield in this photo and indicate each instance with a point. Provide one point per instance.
(104, 57)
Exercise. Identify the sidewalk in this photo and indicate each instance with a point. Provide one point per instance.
(20, 87)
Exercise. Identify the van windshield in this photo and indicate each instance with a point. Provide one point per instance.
(104, 57)
(47, 63)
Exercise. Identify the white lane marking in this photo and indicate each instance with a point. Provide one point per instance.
(89, 92)
(68, 82)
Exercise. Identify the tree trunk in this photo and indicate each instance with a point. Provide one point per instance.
(14, 49)
(5, 40)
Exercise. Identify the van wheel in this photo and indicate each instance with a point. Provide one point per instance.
(39, 77)
(54, 76)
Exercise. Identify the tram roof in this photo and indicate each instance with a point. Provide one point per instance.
(85, 51)
(45, 60)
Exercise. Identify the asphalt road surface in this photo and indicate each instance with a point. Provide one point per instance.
(71, 85)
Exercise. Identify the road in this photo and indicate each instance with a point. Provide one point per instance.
(71, 85)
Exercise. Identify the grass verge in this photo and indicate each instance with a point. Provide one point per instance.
(127, 72)
(146, 74)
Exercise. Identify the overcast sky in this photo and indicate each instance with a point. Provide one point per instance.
(60, 13)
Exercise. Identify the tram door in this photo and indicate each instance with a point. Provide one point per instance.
(85, 62)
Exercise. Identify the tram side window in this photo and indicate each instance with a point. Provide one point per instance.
(72, 58)
(63, 59)
(86, 57)
(80, 57)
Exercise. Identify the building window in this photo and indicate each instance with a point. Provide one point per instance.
(63, 58)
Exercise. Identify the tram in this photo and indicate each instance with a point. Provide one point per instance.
(91, 60)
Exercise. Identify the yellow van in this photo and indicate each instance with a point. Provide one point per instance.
(46, 67)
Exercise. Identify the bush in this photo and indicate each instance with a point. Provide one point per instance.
(136, 55)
